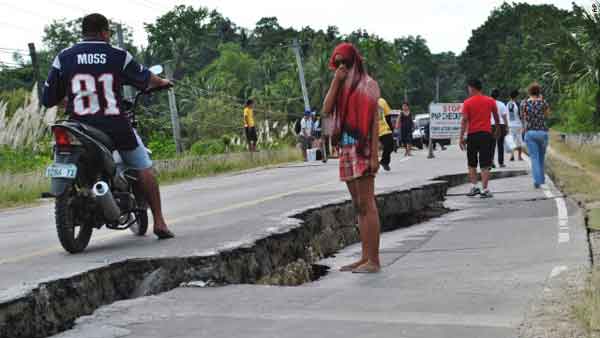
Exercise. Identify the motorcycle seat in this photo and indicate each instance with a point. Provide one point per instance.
(92, 132)
(98, 135)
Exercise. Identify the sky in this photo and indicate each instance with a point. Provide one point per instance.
(446, 25)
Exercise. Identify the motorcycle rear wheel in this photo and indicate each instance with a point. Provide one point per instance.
(140, 227)
(74, 238)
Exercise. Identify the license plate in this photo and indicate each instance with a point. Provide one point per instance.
(59, 170)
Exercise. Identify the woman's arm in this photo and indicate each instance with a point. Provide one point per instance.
(331, 97)
(374, 144)
(334, 88)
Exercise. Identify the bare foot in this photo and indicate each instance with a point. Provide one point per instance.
(352, 266)
(368, 267)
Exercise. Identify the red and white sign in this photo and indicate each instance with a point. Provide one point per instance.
(445, 120)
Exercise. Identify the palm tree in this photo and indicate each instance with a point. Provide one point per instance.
(578, 61)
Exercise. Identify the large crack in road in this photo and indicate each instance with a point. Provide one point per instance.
(284, 256)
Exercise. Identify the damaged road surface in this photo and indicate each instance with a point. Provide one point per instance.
(267, 227)
(474, 272)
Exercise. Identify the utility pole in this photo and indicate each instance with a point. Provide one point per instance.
(174, 112)
(36, 71)
(405, 95)
(437, 89)
(296, 47)
(121, 42)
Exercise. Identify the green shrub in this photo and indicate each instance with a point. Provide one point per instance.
(162, 147)
(209, 147)
(23, 160)
(576, 110)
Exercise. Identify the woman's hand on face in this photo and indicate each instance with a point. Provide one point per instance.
(341, 73)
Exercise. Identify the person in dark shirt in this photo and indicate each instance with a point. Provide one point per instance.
(90, 75)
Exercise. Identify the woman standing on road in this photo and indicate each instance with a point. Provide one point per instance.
(352, 97)
(535, 111)
(406, 125)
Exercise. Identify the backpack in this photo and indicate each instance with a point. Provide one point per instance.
(298, 126)
(511, 107)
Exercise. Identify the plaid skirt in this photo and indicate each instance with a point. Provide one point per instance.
(352, 165)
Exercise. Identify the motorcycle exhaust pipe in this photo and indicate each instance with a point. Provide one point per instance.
(105, 199)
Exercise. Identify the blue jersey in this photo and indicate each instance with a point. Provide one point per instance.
(90, 75)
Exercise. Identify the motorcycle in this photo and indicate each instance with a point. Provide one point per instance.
(91, 186)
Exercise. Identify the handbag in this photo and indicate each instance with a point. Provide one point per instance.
(509, 144)
(336, 130)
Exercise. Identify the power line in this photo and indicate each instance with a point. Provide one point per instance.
(16, 50)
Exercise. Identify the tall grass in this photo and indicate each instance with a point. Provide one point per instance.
(26, 127)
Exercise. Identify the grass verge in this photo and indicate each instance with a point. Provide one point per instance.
(577, 171)
(587, 311)
(188, 167)
(23, 189)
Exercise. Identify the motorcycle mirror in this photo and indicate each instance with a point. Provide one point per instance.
(156, 69)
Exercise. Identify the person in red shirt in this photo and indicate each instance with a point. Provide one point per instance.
(477, 111)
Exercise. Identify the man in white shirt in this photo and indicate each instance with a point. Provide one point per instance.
(502, 125)
(306, 131)
(515, 125)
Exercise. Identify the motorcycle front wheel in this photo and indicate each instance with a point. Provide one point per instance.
(73, 237)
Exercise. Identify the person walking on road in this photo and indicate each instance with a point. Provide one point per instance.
(385, 133)
(352, 97)
(477, 110)
(306, 133)
(250, 125)
(535, 111)
(515, 126)
(502, 126)
(405, 124)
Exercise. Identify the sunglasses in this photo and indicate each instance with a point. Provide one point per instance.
(346, 63)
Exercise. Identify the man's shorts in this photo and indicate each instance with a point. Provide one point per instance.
(251, 134)
(305, 142)
(138, 158)
(479, 150)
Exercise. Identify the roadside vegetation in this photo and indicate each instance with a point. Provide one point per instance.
(577, 172)
(24, 182)
(576, 169)
(588, 310)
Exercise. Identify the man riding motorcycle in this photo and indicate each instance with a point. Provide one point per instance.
(90, 74)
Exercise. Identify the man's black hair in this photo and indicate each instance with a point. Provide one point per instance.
(94, 24)
(249, 102)
(514, 94)
(495, 93)
(475, 83)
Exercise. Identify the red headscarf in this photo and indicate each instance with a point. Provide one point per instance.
(356, 104)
